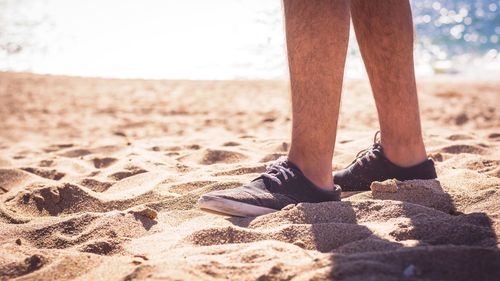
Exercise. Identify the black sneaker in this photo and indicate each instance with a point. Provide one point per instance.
(282, 184)
(371, 165)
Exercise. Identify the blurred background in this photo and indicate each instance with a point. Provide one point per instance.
(218, 39)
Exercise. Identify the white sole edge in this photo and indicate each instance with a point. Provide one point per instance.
(232, 208)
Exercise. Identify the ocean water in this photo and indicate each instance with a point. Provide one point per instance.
(217, 39)
(458, 36)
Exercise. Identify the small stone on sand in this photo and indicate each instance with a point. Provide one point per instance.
(145, 211)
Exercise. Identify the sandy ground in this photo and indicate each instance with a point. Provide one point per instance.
(99, 181)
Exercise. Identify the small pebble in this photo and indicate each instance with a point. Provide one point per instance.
(147, 212)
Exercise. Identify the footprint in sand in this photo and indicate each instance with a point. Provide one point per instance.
(46, 163)
(88, 232)
(130, 171)
(483, 165)
(12, 178)
(193, 146)
(231, 143)
(75, 153)
(100, 247)
(460, 137)
(464, 148)
(57, 147)
(45, 173)
(494, 136)
(23, 267)
(39, 199)
(103, 162)
(95, 185)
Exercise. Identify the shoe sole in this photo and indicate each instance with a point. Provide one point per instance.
(233, 208)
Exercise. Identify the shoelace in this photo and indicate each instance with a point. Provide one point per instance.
(276, 169)
(368, 153)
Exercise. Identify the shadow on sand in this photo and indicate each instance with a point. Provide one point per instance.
(395, 236)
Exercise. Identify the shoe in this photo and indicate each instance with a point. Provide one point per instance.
(371, 165)
(282, 184)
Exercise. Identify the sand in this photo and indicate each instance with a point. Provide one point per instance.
(99, 180)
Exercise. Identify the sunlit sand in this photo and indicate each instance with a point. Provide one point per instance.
(99, 180)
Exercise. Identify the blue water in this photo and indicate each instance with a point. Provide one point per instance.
(217, 39)
(448, 29)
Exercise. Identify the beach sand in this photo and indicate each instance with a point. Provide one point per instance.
(99, 180)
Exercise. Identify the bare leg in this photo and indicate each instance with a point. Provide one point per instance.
(384, 30)
(317, 33)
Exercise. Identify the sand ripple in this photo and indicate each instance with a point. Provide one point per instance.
(99, 181)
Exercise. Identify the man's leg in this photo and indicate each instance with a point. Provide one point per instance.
(317, 34)
(384, 30)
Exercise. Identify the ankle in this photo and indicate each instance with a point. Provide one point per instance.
(318, 172)
(405, 155)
